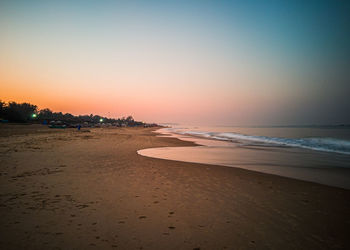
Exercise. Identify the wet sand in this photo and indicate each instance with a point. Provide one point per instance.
(63, 189)
(302, 164)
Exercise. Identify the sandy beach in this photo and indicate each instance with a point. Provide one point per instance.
(65, 189)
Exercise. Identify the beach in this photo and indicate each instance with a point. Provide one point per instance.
(89, 189)
(318, 163)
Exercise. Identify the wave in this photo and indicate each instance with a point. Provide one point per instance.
(314, 143)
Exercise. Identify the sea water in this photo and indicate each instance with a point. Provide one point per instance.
(313, 153)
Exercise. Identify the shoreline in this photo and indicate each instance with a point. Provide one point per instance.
(93, 191)
(228, 154)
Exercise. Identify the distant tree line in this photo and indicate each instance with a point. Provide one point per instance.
(29, 113)
(17, 112)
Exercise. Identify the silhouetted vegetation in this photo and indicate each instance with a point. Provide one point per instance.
(28, 113)
(17, 112)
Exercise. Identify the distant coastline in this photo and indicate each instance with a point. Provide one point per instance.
(13, 112)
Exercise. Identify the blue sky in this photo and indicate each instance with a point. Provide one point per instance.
(235, 62)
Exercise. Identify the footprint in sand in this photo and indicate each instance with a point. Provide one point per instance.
(142, 217)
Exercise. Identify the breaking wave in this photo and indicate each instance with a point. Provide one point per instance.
(314, 143)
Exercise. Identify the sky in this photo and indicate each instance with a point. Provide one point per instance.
(195, 62)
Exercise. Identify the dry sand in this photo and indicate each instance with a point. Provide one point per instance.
(64, 189)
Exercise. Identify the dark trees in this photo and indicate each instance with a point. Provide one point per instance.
(18, 112)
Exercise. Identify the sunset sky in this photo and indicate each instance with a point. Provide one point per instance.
(199, 62)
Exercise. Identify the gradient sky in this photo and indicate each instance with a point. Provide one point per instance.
(199, 62)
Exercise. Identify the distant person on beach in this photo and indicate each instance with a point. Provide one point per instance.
(79, 126)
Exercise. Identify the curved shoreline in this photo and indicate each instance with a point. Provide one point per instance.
(216, 152)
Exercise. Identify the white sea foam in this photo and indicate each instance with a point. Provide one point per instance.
(320, 143)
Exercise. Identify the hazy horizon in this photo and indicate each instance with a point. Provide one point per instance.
(227, 63)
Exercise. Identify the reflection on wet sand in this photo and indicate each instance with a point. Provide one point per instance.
(319, 167)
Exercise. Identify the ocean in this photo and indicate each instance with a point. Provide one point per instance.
(318, 154)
